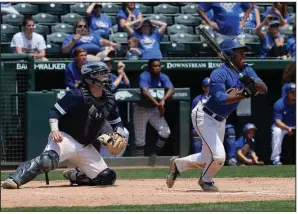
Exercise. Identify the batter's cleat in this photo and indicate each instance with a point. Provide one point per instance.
(208, 186)
(277, 162)
(173, 172)
(67, 173)
(9, 184)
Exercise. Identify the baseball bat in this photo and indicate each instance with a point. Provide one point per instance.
(210, 41)
(47, 178)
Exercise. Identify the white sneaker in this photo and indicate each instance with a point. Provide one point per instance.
(173, 172)
(9, 184)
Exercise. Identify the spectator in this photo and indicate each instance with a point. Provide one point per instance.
(245, 145)
(289, 75)
(280, 11)
(148, 36)
(99, 23)
(253, 19)
(73, 69)
(128, 13)
(92, 43)
(133, 52)
(210, 15)
(7, 8)
(230, 145)
(152, 109)
(29, 42)
(284, 121)
(196, 140)
(120, 81)
(291, 44)
(226, 16)
(271, 42)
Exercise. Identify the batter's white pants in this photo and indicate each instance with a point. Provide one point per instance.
(213, 154)
(87, 158)
(144, 115)
(276, 142)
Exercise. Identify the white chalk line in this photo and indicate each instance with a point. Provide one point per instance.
(227, 193)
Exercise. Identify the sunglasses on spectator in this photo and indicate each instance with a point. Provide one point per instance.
(82, 26)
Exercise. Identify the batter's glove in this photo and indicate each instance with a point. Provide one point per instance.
(250, 89)
(114, 142)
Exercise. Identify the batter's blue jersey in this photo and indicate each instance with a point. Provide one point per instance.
(82, 116)
(222, 79)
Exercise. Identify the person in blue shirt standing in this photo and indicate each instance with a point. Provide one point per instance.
(227, 89)
(152, 108)
(196, 143)
(245, 145)
(98, 22)
(284, 121)
(253, 19)
(291, 44)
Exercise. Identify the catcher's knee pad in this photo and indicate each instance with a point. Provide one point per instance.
(106, 177)
(48, 160)
(164, 132)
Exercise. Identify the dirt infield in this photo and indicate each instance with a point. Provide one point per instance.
(147, 191)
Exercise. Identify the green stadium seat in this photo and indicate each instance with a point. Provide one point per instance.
(290, 9)
(175, 49)
(166, 9)
(184, 38)
(115, 28)
(6, 37)
(189, 9)
(111, 8)
(41, 29)
(261, 9)
(179, 29)
(287, 30)
(53, 8)
(202, 49)
(113, 19)
(79, 8)
(9, 29)
(160, 17)
(71, 18)
(188, 20)
(53, 49)
(62, 28)
(5, 48)
(56, 37)
(165, 38)
(26, 9)
(45, 18)
(292, 19)
(13, 19)
(118, 37)
(144, 8)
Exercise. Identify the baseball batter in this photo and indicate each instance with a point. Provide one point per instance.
(150, 109)
(226, 91)
(80, 113)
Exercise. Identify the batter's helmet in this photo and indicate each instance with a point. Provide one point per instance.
(95, 73)
(228, 45)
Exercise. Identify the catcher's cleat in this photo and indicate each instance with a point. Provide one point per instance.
(173, 172)
(208, 186)
(67, 173)
(9, 184)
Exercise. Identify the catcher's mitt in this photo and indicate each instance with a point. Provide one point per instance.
(250, 89)
(114, 142)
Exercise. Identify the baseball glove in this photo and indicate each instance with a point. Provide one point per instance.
(114, 142)
(250, 89)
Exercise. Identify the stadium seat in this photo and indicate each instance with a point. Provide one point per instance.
(9, 29)
(111, 8)
(175, 49)
(6, 37)
(79, 8)
(160, 17)
(56, 37)
(202, 49)
(261, 9)
(121, 51)
(184, 38)
(189, 9)
(287, 30)
(71, 18)
(254, 49)
(53, 8)
(113, 19)
(292, 19)
(62, 28)
(143, 8)
(188, 20)
(118, 37)
(115, 28)
(290, 9)
(41, 29)
(53, 49)
(13, 19)
(165, 38)
(45, 18)
(166, 9)
(5, 48)
(179, 29)
(26, 9)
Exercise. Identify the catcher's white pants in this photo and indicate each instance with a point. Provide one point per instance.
(144, 115)
(276, 142)
(212, 156)
(87, 158)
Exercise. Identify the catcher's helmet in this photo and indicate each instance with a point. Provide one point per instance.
(95, 73)
(228, 45)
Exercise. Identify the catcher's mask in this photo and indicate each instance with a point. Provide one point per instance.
(96, 74)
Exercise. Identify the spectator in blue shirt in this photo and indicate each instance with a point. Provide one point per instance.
(98, 22)
(284, 121)
(196, 143)
(245, 146)
(291, 44)
(149, 36)
(289, 75)
(253, 19)
(133, 52)
(128, 13)
(73, 77)
(280, 11)
(271, 42)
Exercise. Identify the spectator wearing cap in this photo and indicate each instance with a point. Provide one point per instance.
(245, 146)
(284, 121)
(271, 42)
(291, 44)
(128, 13)
(230, 145)
(253, 19)
(279, 10)
(29, 42)
(289, 75)
(98, 22)
(196, 143)
(73, 77)
(149, 36)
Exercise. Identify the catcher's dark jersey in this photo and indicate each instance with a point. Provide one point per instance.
(81, 115)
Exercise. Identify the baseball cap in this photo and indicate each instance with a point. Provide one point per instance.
(291, 87)
(206, 81)
(274, 22)
(249, 126)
